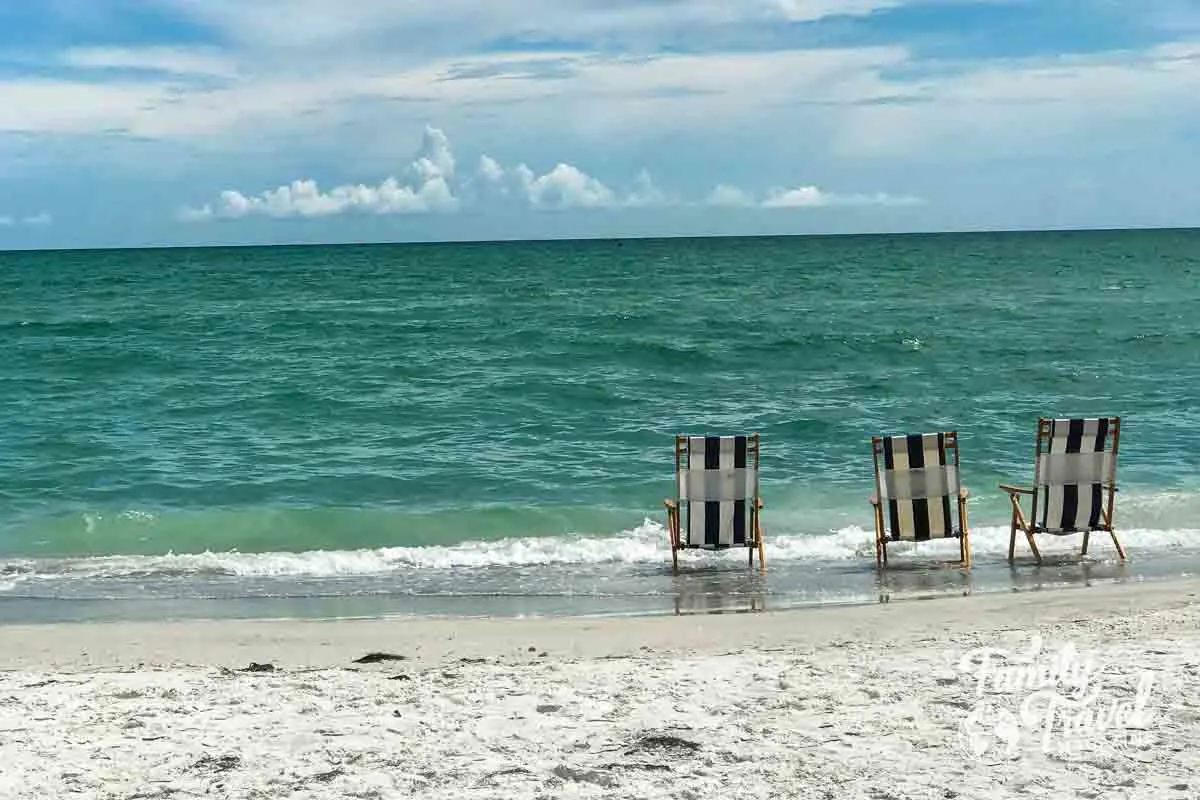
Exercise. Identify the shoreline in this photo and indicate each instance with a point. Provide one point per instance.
(230, 587)
(329, 643)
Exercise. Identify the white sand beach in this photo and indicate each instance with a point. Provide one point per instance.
(859, 702)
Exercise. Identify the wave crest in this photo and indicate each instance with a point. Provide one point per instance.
(643, 545)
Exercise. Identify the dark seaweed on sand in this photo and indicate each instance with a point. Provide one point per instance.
(375, 658)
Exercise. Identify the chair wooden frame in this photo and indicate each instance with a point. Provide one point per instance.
(674, 506)
(950, 441)
(1028, 525)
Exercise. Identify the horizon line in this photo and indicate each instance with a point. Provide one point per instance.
(634, 238)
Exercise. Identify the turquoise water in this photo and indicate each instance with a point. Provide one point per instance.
(487, 428)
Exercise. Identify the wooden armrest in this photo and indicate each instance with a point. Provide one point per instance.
(670, 504)
(1004, 487)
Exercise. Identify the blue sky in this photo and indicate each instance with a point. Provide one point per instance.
(135, 122)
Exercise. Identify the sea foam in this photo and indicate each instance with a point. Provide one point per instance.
(644, 544)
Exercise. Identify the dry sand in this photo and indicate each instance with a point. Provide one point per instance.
(868, 701)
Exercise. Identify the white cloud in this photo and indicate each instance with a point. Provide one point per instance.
(36, 105)
(802, 197)
(645, 193)
(461, 24)
(435, 160)
(853, 102)
(431, 185)
(174, 60)
(490, 169)
(812, 10)
(564, 187)
(427, 188)
(304, 198)
(729, 197)
(34, 220)
(813, 197)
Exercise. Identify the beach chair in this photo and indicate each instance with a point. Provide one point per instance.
(1074, 483)
(917, 491)
(716, 503)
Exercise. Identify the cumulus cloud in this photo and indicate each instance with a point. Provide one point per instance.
(431, 184)
(304, 198)
(564, 187)
(435, 159)
(802, 197)
(425, 187)
(813, 197)
(33, 220)
(646, 193)
(729, 197)
(490, 169)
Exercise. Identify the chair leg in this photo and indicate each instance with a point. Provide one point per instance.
(1012, 539)
(880, 542)
(762, 546)
(964, 541)
(673, 533)
(1117, 542)
(1086, 534)
(1033, 546)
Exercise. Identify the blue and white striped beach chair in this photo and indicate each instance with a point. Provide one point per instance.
(716, 503)
(1074, 483)
(917, 492)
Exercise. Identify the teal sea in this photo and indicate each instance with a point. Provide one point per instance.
(487, 428)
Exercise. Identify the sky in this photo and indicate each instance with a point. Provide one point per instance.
(181, 122)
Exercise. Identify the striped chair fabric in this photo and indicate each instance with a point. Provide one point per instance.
(918, 487)
(720, 489)
(1076, 463)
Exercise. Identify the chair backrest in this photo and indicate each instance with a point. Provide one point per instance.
(717, 478)
(916, 477)
(1075, 473)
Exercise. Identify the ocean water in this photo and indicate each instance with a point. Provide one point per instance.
(487, 428)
